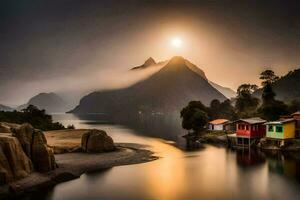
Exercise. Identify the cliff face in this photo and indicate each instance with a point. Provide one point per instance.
(23, 151)
(14, 164)
(34, 144)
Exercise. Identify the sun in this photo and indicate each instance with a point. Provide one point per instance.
(176, 42)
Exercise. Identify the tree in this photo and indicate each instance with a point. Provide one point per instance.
(294, 106)
(271, 109)
(268, 95)
(222, 110)
(37, 118)
(268, 77)
(227, 111)
(194, 116)
(246, 105)
(214, 109)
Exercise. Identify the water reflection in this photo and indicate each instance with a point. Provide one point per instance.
(160, 126)
(249, 157)
(285, 164)
(210, 173)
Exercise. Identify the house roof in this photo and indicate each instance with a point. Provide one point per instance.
(296, 113)
(254, 120)
(284, 121)
(218, 121)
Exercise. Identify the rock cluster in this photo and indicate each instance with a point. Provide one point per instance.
(35, 147)
(96, 141)
(22, 151)
(6, 127)
(14, 164)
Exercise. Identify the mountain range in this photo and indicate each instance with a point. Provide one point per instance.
(170, 86)
(176, 83)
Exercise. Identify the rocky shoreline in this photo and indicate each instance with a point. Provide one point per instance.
(71, 160)
(73, 165)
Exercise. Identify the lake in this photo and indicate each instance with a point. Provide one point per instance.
(208, 173)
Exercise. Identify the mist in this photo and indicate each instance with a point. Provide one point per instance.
(75, 47)
(72, 88)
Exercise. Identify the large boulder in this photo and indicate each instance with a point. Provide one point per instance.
(35, 147)
(96, 141)
(14, 163)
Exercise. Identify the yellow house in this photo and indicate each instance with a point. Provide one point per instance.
(283, 129)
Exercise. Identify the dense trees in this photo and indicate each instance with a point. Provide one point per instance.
(194, 116)
(223, 109)
(245, 103)
(37, 118)
(294, 106)
(270, 109)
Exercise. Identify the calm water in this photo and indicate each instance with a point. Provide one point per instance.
(209, 173)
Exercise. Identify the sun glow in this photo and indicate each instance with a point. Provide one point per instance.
(176, 42)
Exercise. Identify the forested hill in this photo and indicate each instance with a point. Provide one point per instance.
(287, 88)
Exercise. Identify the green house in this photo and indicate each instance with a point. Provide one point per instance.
(283, 129)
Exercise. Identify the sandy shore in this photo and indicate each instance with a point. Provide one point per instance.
(72, 165)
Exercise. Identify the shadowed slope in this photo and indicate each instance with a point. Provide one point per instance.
(168, 90)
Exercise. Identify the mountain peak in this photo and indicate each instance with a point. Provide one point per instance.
(177, 60)
(149, 61)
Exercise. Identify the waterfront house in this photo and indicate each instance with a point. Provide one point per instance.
(282, 129)
(296, 116)
(217, 124)
(250, 128)
(248, 132)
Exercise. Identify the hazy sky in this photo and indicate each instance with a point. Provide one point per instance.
(67, 45)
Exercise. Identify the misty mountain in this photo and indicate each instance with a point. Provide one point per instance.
(150, 63)
(167, 90)
(5, 108)
(227, 92)
(50, 102)
(287, 88)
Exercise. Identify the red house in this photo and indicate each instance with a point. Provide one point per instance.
(250, 128)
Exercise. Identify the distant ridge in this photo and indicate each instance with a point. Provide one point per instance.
(167, 90)
(227, 92)
(50, 102)
(5, 108)
(287, 88)
(150, 61)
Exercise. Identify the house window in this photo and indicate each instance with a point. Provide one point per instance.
(247, 127)
(279, 129)
(270, 128)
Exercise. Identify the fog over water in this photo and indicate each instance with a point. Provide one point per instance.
(83, 45)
